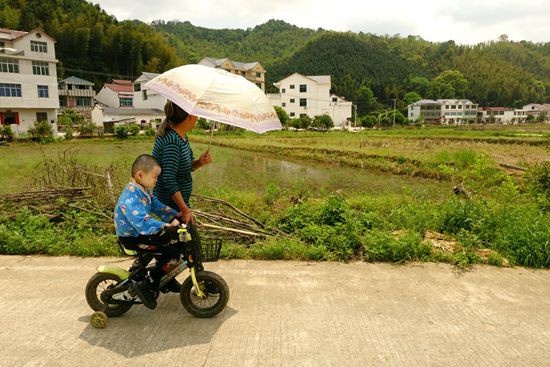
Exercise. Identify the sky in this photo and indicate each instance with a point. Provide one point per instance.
(464, 21)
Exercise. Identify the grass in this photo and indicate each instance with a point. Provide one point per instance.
(370, 195)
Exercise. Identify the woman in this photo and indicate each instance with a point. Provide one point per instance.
(173, 151)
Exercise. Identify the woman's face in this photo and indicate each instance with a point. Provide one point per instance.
(190, 122)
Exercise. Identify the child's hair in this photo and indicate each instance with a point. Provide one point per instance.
(145, 163)
(174, 115)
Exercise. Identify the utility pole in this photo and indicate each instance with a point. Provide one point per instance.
(354, 116)
(394, 103)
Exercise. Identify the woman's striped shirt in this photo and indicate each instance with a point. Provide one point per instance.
(175, 157)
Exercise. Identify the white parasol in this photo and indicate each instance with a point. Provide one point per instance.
(217, 95)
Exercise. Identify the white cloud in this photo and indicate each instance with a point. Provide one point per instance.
(465, 21)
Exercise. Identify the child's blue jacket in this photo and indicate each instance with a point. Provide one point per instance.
(133, 211)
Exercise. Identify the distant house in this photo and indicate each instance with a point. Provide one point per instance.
(76, 94)
(425, 110)
(502, 115)
(108, 117)
(535, 109)
(28, 79)
(444, 111)
(301, 95)
(145, 98)
(119, 93)
(252, 71)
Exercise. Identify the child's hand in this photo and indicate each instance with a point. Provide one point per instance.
(173, 223)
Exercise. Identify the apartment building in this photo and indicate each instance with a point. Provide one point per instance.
(301, 95)
(252, 71)
(458, 111)
(76, 94)
(425, 110)
(28, 79)
(501, 115)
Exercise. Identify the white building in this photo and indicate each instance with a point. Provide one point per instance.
(301, 95)
(425, 110)
(536, 109)
(458, 111)
(119, 93)
(501, 115)
(252, 71)
(145, 98)
(107, 117)
(76, 94)
(28, 79)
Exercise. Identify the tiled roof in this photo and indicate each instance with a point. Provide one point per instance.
(76, 80)
(11, 34)
(215, 63)
(118, 85)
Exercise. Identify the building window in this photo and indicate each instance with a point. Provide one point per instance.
(303, 88)
(292, 86)
(283, 104)
(283, 90)
(9, 65)
(259, 85)
(303, 102)
(258, 75)
(10, 90)
(43, 91)
(292, 100)
(292, 114)
(137, 87)
(83, 101)
(83, 87)
(41, 116)
(40, 68)
(38, 46)
(126, 102)
(69, 86)
(62, 102)
(243, 73)
(453, 107)
(303, 115)
(334, 99)
(10, 118)
(2, 45)
(144, 94)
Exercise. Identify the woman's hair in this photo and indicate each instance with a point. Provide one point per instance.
(174, 114)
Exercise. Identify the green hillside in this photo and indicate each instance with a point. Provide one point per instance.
(94, 45)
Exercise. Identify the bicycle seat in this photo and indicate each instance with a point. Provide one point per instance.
(127, 251)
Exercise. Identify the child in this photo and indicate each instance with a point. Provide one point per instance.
(138, 230)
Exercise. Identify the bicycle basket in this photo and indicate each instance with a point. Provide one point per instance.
(211, 248)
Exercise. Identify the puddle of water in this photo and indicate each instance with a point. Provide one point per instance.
(254, 171)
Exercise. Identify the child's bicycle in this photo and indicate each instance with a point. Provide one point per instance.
(203, 294)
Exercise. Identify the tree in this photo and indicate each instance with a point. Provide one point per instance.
(283, 116)
(365, 100)
(411, 97)
(322, 122)
(419, 85)
(448, 84)
(368, 121)
(542, 116)
(87, 128)
(41, 131)
(133, 129)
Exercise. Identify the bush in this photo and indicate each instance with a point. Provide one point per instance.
(150, 131)
(539, 184)
(6, 133)
(133, 129)
(68, 132)
(121, 131)
(87, 128)
(41, 131)
(322, 122)
(283, 116)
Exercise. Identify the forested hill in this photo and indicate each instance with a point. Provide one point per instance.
(498, 72)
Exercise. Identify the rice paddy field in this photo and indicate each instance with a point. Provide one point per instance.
(465, 195)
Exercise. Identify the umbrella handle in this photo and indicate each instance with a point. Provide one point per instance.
(211, 134)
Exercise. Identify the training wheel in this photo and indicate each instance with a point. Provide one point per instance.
(99, 320)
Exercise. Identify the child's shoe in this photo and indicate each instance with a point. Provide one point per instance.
(145, 293)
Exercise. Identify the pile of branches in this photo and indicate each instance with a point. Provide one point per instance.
(220, 218)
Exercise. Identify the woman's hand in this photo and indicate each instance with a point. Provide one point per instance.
(187, 216)
(205, 158)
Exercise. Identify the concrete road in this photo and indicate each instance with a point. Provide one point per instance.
(285, 314)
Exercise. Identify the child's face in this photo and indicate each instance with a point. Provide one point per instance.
(149, 179)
